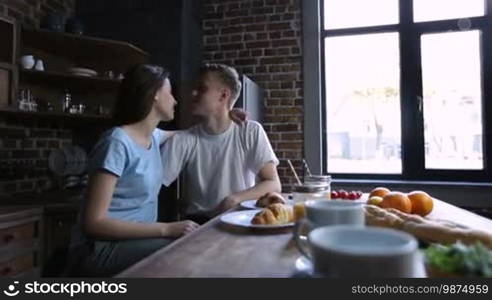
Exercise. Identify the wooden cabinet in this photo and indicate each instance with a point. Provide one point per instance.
(21, 241)
(58, 228)
(59, 211)
(60, 53)
(8, 57)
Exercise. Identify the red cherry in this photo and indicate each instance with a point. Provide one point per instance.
(343, 194)
(334, 194)
(359, 194)
(352, 195)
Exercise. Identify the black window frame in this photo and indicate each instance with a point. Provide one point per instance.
(412, 151)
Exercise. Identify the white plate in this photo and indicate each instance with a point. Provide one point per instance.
(83, 71)
(251, 204)
(243, 219)
(57, 162)
(83, 74)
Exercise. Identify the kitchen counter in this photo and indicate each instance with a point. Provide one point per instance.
(51, 201)
(220, 250)
(11, 213)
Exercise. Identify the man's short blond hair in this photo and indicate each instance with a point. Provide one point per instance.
(228, 75)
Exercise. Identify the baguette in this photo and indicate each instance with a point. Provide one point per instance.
(424, 229)
(376, 216)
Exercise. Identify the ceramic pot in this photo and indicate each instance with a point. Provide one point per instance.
(27, 62)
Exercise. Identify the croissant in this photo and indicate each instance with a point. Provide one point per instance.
(274, 214)
(270, 198)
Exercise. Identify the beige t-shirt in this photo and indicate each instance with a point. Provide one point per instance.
(215, 166)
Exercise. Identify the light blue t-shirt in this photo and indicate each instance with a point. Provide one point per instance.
(139, 172)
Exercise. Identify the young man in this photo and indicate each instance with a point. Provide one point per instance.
(220, 159)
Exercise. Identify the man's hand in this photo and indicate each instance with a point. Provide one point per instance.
(238, 116)
(228, 203)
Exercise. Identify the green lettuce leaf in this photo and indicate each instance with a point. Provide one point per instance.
(473, 260)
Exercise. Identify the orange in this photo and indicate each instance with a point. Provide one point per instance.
(398, 201)
(422, 203)
(379, 191)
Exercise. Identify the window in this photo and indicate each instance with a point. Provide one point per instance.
(404, 88)
(432, 10)
(363, 89)
(452, 99)
(353, 13)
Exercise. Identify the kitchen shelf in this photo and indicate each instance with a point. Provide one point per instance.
(68, 80)
(84, 118)
(83, 49)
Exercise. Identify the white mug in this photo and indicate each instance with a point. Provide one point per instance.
(27, 61)
(332, 212)
(345, 251)
(327, 212)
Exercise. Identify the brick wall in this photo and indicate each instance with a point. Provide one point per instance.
(24, 149)
(25, 144)
(30, 12)
(262, 39)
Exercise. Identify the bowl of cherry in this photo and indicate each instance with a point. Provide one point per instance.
(345, 195)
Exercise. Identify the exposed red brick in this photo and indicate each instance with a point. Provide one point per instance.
(255, 27)
(233, 29)
(288, 110)
(283, 43)
(249, 61)
(228, 47)
(257, 52)
(292, 136)
(262, 10)
(286, 127)
(260, 19)
(263, 69)
(262, 36)
(249, 36)
(283, 119)
(279, 26)
(257, 3)
(261, 44)
(283, 94)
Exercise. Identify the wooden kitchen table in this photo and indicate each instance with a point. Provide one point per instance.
(220, 250)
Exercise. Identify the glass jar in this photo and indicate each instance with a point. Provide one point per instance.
(319, 180)
(305, 192)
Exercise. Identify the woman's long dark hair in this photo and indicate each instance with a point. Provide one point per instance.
(137, 91)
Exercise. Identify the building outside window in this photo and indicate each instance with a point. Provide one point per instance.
(404, 87)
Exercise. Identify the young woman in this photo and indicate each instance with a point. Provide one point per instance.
(118, 224)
